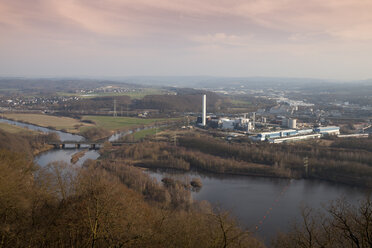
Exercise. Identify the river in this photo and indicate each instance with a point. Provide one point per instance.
(263, 205)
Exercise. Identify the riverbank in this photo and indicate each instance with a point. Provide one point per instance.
(44, 148)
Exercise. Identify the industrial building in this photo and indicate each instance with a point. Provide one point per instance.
(273, 135)
(227, 123)
(292, 135)
(329, 130)
(305, 131)
(235, 123)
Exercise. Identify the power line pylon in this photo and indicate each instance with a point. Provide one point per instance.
(115, 113)
(306, 165)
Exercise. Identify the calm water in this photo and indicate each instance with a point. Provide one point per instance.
(65, 156)
(269, 204)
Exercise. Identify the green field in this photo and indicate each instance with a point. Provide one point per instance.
(117, 123)
(144, 133)
(240, 103)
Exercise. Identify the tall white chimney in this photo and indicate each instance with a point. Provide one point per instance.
(204, 110)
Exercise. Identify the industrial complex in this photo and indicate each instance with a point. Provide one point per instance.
(276, 130)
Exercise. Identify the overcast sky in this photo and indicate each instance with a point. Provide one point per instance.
(287, 38)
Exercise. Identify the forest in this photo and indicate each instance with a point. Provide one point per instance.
(102, 204)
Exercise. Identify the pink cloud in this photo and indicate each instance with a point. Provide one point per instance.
(222, 33)
(347, 19)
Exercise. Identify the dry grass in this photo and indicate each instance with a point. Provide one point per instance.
(59, 123)
(14, 129)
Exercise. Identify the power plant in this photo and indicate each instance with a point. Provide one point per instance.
(271, 132)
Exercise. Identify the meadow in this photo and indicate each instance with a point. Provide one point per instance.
(144, 133)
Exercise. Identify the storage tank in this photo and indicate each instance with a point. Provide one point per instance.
(292, 123)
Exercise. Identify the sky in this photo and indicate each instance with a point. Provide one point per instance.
(329, 39)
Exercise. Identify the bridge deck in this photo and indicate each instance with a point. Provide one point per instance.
(86, 143)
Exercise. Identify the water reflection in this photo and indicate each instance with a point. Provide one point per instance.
(65, 156)
(271, 204)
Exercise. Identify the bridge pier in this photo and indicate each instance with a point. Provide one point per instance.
(93, 146)
(77, 146)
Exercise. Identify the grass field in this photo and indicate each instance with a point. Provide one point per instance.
(240, 103)
(117, 123)
(144, 133)
(56, 122)
(14, 129)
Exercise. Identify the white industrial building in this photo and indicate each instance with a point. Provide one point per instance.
(329, 130)
(242, 123)
(273, 135)
(305, 131)
(293, 135)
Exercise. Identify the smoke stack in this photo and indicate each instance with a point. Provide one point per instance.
(204, 105)
(254, 120)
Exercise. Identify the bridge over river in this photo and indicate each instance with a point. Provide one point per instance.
(84, 143)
